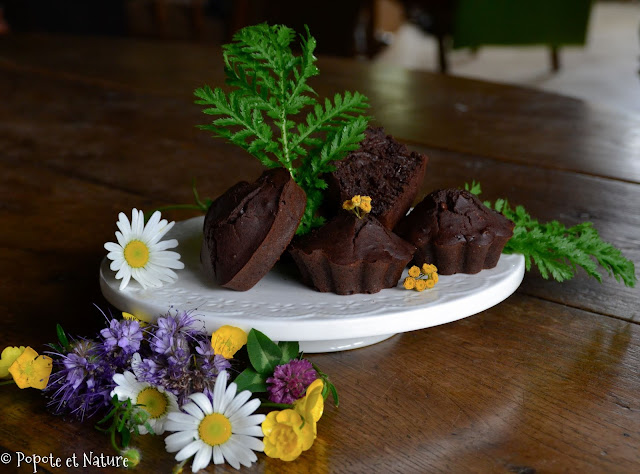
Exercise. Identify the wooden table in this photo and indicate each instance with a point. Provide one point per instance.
(547, 381)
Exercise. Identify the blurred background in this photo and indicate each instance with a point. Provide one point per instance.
(581, 48)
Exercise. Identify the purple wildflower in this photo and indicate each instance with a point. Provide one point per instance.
(81, 381)
(173, 332)
(290, 381)
(208, 360)
(126, 335)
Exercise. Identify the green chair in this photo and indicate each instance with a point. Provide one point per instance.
(552, 23)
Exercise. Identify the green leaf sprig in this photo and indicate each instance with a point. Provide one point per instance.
(264, 356)
(123, 420)
(557, 250)
(269, 89)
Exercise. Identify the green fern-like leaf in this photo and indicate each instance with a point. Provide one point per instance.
(558, 251)
(273, 113)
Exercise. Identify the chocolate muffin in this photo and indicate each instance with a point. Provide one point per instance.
(383, 169)
(351, 255)
(247, 229)
(452, 229)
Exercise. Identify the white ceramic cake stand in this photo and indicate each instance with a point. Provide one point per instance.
(286, 310)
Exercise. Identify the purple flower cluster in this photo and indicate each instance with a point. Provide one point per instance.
(290, 381)
(82, 378)
(174, 353)
(180, 357)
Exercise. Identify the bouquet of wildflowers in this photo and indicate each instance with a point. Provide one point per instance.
(173, 378)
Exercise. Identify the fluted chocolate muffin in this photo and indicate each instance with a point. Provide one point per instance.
(383, 169)
(248, 228)
(351, 255)
(454, 230)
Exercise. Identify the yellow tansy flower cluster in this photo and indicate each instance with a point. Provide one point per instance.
(360, 205)
(27, 368)
(421, 278)
(287, 433)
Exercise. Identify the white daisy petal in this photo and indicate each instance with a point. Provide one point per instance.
(246, 410)
(112, 247)
(161, 229)
(137, 223)
(227, 398)
(117, 259)
(150, 227)
(189, 450)
(249, 442)
(202, 458)
(230, 455)
(248, 430)
(123, 224)
(178, 440)
(237, 402)
(166, 244)
(219, 389)
(218, 458)
(193, 410)
(171, 425)
(125, 280)
(241, 452)
(202, 401)
(183, 418)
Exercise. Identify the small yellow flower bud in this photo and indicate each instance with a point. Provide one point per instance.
(348, 205)
(356, 200)
(366, 206)
(421, 285)
(409, 283)
(433, 277)
(428, 268)
(414, 272)
(430, 283)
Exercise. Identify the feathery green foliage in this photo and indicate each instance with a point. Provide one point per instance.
(556, 250)
(269, 90)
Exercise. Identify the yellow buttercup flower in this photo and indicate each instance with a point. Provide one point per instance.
(31, 369)
(286, 435)
(429, 283)
(356, 200)
(311, 406)
(421, 285)
(132, 317)
(227, 340)
(8, 357)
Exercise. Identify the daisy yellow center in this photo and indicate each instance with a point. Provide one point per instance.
(136, 253)
(153, 401)
(215, 429)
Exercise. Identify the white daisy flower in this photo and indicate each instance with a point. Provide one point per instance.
(139, 253)
(220, 431)
(156, 401)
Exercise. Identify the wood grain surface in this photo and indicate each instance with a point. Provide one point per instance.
(547, 381)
